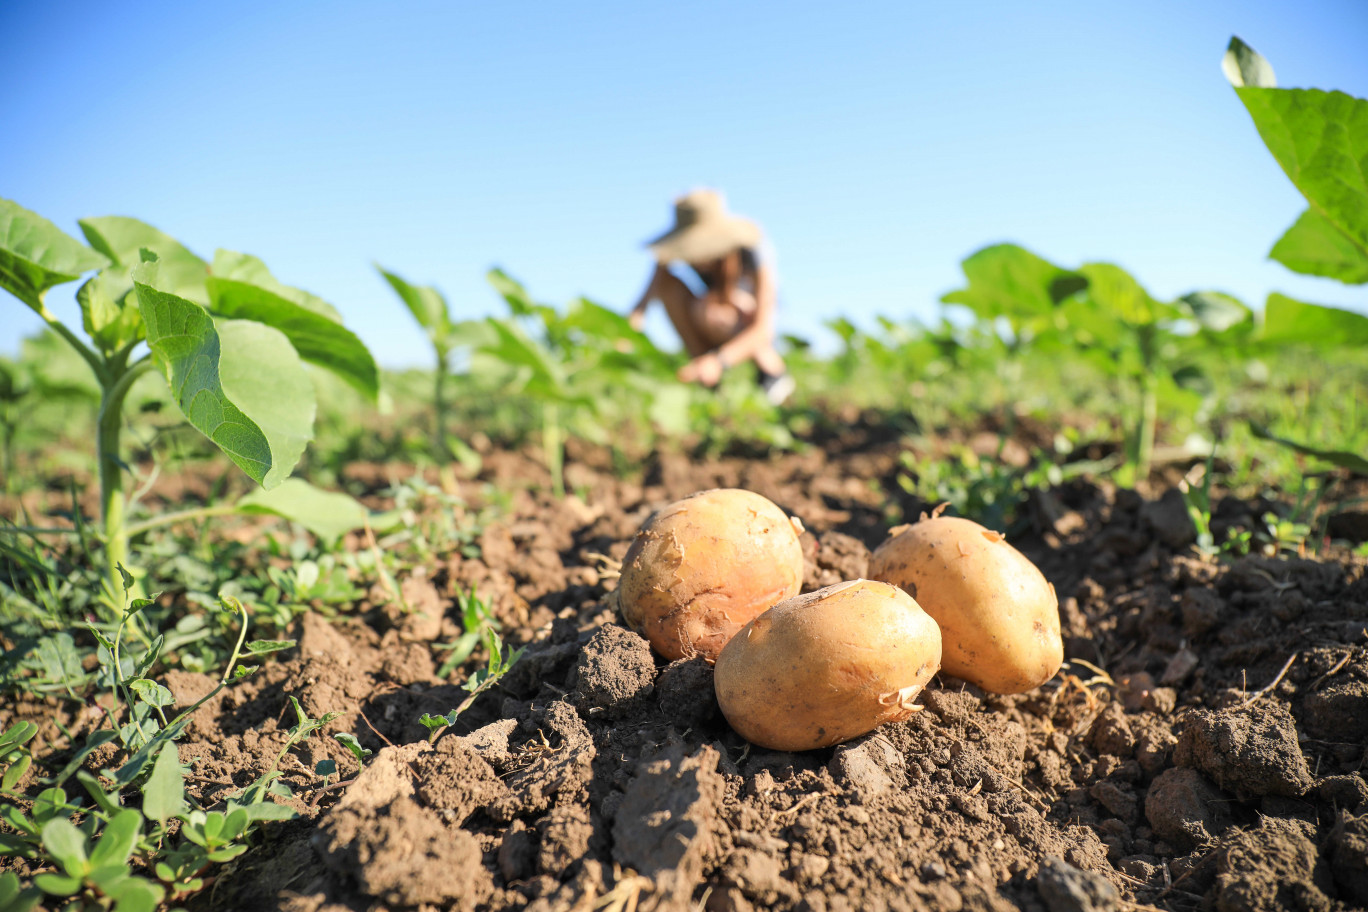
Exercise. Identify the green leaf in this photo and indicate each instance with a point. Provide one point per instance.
(1314, 246)
(1289, 321)
(117, 841)
(66, 844)
(186, 346)
(138, 895)
(164, 791)
(261, 372)
(108, 315)
(57, 884)
(242, 267)
(1354, 462)
(14, 897)
(1321, 141)
(348, 740)
(35, 255)
(327, 514)
(269, 810)
(15, 772)
(1011, 281)
(17, 734)
(325, 767)
(428, 307)
(513, 347)
(151, 693)
(266, 647)
(1244, 66)
(182, 273)
(103, 800)
(213, 826)
(1116, 290)
(317, 338)
(519, 302)
(58, 658)
(1216, 311)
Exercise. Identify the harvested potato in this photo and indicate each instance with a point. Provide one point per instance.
(827, 666)
(998, 615)
(701, 568)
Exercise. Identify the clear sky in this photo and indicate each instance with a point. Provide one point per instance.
(878, 144)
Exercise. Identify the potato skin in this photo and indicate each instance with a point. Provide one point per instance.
(827, 666)
(998, 615)
(702, 567)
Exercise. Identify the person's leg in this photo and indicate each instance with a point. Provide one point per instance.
(680, 305)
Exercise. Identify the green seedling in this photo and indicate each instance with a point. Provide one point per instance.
(501, 660)
(477, 620)
(228, 339)
(429, 308)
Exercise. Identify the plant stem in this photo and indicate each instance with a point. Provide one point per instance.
(112, 503)
(1149, 414)
(552, 445)
(439, 447)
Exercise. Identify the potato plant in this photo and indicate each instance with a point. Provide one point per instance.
(229, 340)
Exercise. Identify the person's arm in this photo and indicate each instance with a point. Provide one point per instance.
(760, 329)
(637, 315)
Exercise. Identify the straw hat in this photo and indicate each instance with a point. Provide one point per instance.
(703, 230)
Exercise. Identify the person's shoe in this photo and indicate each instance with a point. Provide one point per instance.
(777, 388)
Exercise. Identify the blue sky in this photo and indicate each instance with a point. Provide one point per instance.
(878, 144)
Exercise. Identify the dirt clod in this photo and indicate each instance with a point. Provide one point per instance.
(615, 672)
(1184, 809)
(1065, 888)
(1250, 751)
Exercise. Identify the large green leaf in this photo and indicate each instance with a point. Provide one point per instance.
(243, 267)
(164, 791)
(1314, 246)
(514, 348)
(1216, 311)
(179, 270)
(1287, 320)
(1355, 462)
(35, 255)
(519, 302)
(1008, 280)
(262, 373)
(1117, 291)
(1244, 66)
(117, 841)
(187, 348)
(317, 338)
(327, 514)
(1321, 141)
(427, 305)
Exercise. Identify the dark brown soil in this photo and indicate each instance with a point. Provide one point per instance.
(1204, 748)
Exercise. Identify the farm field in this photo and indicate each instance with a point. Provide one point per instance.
(281, 629)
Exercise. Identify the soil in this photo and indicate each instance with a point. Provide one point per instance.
(1203, 749)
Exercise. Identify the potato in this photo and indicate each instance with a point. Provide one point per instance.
(702, 567)
(827, 666)
(998, 615)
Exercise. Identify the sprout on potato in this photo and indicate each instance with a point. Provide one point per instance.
(704, 566)
(827, 666)
(998, 615)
